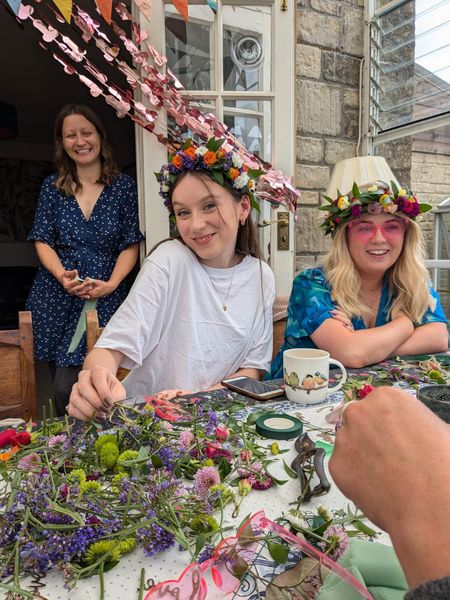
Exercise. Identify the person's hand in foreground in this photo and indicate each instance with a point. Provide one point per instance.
(97, 388)
(392, 458)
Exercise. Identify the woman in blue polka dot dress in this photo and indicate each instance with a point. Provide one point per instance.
(86, 233)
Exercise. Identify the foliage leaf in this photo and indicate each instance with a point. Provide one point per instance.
(279, 552)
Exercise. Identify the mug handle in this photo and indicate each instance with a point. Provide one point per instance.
(338, 386)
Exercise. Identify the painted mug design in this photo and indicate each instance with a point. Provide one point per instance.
(308, 384)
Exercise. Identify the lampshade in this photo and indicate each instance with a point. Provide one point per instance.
(8, 121)
(362, 170)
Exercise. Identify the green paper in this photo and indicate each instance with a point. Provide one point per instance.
(81, 325)
(374, 565)
(326, 446)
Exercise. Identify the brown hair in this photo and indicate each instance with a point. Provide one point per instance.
(247, 242)
(67, 181)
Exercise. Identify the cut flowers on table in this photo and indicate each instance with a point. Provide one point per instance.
(78, 496)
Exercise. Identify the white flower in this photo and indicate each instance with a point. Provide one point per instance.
(201, 151)
(165, 188)
(241, 181)
(372, 188)
(402, 192)
(296, 519)
(237, 162)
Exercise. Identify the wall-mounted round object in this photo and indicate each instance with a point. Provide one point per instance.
(246, 52)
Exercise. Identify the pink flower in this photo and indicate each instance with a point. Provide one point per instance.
(260, 481)
(365, 390)
(215, 450)
(166, 426)
(222, 433)
(186, 439)
(29, 462)
(336, 541)
(246, 454)
(205, 478)
(56, 439)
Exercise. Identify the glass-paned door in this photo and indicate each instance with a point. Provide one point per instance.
(237, 64)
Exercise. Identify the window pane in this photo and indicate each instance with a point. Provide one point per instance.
(410, 71)
(249, 121)
(246, 48)
(189, 46)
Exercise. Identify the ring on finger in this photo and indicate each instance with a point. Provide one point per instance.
(341, 421)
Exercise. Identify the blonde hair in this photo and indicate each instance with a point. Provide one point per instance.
(407, 279)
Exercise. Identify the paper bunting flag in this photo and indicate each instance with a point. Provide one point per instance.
(182, 8)
(212, 5)
(65, 7)
(15, 6)
(105, 8)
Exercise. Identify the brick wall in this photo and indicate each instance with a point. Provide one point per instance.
(328, 53)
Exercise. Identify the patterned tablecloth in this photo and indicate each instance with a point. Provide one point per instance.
(122, 582)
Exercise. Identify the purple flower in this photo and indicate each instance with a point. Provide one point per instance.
(336, 541)
(205, 478)
(56, 439)
(356, 211)
(375, 208)
(206, 554)
(186, 439)
(29, 462)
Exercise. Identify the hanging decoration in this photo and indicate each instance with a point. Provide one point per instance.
(182, 8)
(14, 5)
(65, 7)
(105, 8)
(149, 75)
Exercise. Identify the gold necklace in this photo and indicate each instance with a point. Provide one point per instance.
(223, 302)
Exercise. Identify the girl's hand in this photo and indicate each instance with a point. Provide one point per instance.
(340, 315)
(94, 394)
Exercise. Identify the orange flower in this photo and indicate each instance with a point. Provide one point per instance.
(190, 152)
(209, 158)
(245, 168)
(233, 173)
(177, 161)
(221, 153)
(4, 456)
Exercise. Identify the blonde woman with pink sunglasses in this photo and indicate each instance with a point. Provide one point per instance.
(372, 298)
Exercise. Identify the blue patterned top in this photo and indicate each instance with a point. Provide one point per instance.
(89, 245)
(310, 304)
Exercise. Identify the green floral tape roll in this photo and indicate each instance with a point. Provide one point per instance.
(278, 426)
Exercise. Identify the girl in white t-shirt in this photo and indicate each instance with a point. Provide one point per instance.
(201, 308)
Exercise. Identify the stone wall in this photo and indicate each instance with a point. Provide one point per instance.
(328, 54)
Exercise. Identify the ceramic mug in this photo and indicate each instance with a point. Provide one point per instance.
(306, 373)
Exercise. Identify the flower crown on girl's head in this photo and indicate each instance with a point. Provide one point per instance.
(226, 168)
(376, 199)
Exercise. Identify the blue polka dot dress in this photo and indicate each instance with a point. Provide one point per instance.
(89, 245)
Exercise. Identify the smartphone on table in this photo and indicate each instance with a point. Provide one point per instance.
(248, 386)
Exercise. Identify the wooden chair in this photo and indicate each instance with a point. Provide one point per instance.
(279, 312)
(17, 371)
(93, 332)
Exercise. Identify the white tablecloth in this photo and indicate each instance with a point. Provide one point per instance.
(122, 582)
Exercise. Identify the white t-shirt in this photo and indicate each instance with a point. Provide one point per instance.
(172, 327)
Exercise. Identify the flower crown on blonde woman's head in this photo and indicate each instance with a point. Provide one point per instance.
(224, 167)
(374, 200)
